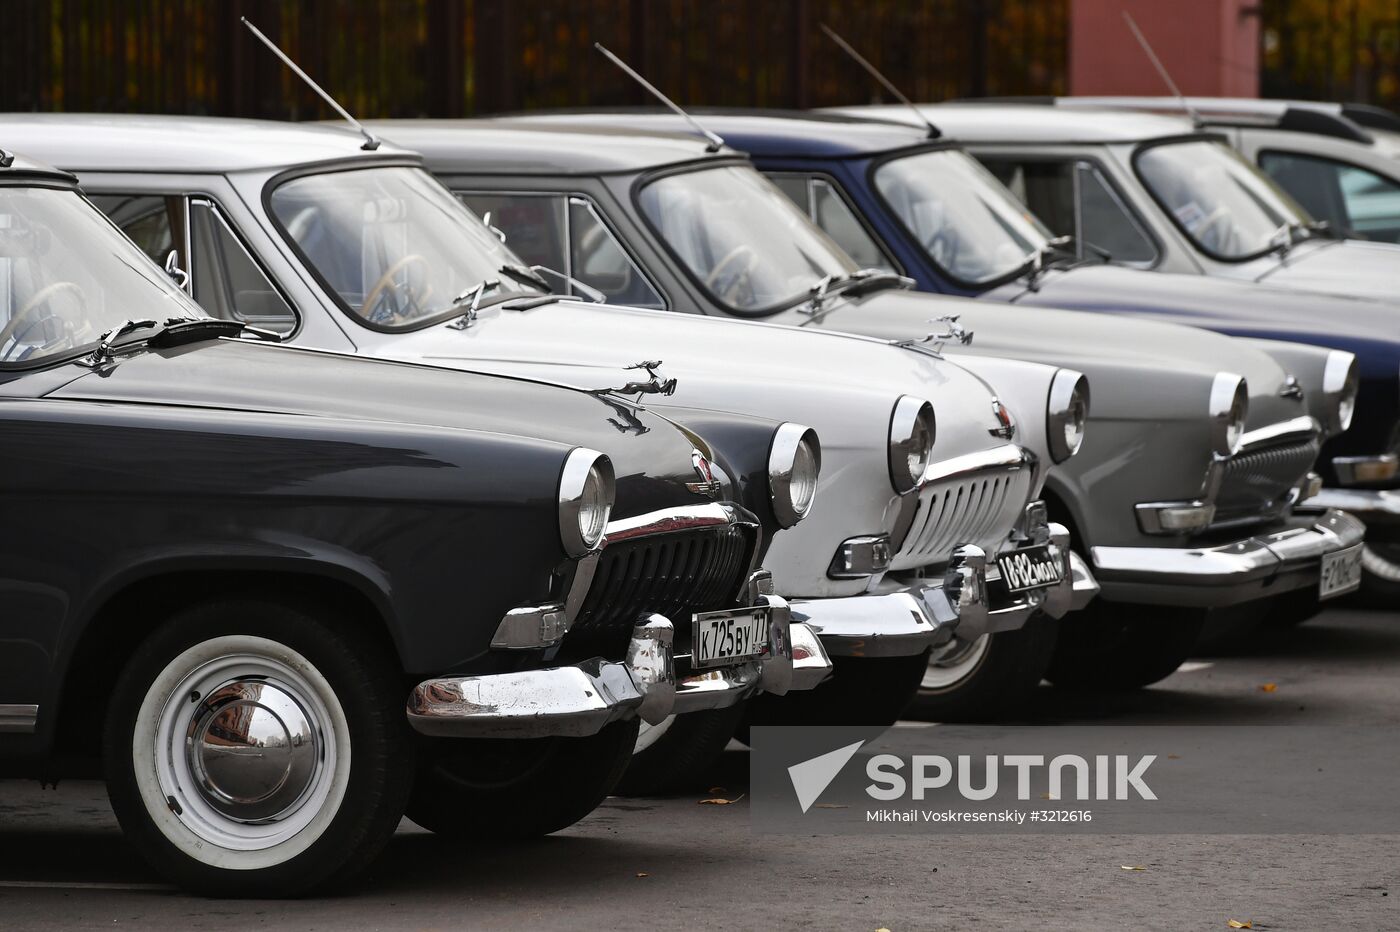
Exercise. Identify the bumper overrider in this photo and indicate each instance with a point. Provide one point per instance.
(975, 596)
(1289, 557)
(582, 698)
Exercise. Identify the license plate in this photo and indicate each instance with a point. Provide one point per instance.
(1031, 568)
(723, 637)
(1341, 572)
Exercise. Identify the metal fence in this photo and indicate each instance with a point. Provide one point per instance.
(454, 57)
(1331, 50)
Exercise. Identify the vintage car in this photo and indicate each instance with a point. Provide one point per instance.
(1198, 448)
(1341, 162)
(1156, 192)
(302, 230)
(285, 596)
(978, 241)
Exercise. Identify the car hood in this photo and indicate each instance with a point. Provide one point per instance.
(651, 457)
(719, 364)
(1116, 354)
(1347, 267)
(1236, 308)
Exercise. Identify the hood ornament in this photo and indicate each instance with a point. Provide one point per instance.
(1291, 388)
(708, 484)
(955, 333)
(654, 385)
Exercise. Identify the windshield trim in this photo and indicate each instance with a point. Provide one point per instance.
(1162, 208)
(304, 262)
(645, 178)
(820, 173)
(913, 242)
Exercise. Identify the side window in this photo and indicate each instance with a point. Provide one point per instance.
(566, 234)
(227, 282)
(1073, 198)
(149, 220)
(1348, 197)
(829, 210)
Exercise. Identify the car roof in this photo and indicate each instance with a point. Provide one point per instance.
(1303, 116)
(527, 144)
(1025, 122)
(15, 166)
(142, 142)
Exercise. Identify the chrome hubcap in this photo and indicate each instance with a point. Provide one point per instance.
(954, 662)
(253, 750)
(246, 748)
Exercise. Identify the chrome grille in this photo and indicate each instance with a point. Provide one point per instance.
(1255, 479)
(970, 508)
(675, 573)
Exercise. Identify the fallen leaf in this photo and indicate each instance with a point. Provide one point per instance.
(1130, 867)
(1268, 688)
(1173, 757)
(716, 790)
(882, 929)
(643, 874)
(1236, 924)
(721, 801)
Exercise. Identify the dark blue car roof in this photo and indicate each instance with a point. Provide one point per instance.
(758, 132)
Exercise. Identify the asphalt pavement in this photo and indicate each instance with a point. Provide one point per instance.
(672, 863)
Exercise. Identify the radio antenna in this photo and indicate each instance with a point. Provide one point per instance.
(371, 140)
(715, 143)
(933, 131)
(1162, 70)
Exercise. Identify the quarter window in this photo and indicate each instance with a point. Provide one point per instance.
(1074, 198)
(565, 233)
(829, 210)
(1351, 199)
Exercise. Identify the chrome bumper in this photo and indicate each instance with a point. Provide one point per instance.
(582, 699)
(1376, 507)
(901, 619)
(1267, 564)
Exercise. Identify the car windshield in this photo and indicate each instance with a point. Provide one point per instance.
(751, 246)
(397, 248)
(1230, 210)
(67, 276)
(966, 220)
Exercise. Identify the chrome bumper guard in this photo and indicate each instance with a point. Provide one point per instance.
(1377, 507)
(582, 699)
(1226, 574)
(902, 620)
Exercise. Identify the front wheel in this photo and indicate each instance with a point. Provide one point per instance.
(493, 788)
(676, 754)
(1116, 646)
(253, 750)
(988, 678)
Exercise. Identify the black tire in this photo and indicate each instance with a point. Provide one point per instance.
(1380, 576)
(860, 691)
(1292, 610)
(1002, 682)
(680, 759)
(375, 778)
(1114, 646)
(502, 788)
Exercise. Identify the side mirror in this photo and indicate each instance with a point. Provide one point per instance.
(178, 275)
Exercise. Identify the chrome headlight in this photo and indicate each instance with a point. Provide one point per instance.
(1340, 382)
(1229, 407)
(1066, 413)
(794, 462)
(912, 432)
(586, 493)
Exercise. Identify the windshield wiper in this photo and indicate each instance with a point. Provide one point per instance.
(173, 331)
(862, 281)
(472, 295)
(525, 275)
(1281, 240)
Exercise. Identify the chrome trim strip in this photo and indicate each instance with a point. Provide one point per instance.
(1374, 506)
(1006, 456)
(667, 520)
(18, 718)
(1298, 428)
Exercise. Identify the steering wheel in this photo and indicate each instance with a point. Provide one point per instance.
(41, 298)
(1214, 219)
(740, 253)
(403, 298)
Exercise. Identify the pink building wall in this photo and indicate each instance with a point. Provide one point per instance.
(1210, 47)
